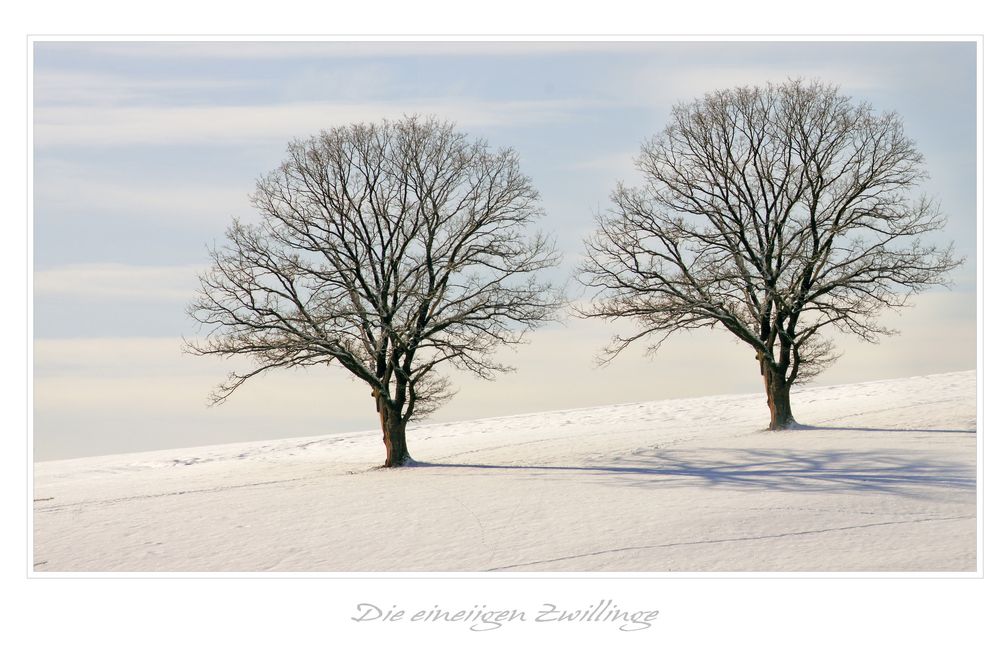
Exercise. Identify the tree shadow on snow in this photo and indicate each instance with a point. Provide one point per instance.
(866, 429)
(899, 472)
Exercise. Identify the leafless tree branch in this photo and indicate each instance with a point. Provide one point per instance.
(773, 212)
(388, 248)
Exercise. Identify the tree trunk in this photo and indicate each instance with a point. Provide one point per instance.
(778, 400)
(393, 435)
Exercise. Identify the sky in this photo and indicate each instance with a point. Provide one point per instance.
(145, 151)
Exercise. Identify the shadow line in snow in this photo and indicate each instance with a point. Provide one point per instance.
(888, 471)
(866, 429)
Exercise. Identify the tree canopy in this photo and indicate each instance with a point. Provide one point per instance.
(774, 212)
(391, 249)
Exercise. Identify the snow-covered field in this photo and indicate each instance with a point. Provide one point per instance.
(883, 478)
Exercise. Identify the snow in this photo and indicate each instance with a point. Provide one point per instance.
(880, 477)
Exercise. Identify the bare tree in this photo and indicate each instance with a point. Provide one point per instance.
(390, 249)
(773, 212)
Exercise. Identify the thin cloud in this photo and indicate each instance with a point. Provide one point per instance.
(355, 49)
(82, 126)
(62, 187)
(661, 87)
(55, 87)
(118, 281)
(617, 163)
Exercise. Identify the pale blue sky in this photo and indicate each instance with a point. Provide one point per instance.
(144, 151)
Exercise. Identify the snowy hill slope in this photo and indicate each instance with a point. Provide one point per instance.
(882, 479)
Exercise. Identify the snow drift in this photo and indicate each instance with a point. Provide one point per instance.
(881, 477)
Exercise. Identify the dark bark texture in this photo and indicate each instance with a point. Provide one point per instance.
(776, 213)
(393, 436)
(777, 389)
(392, 250)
